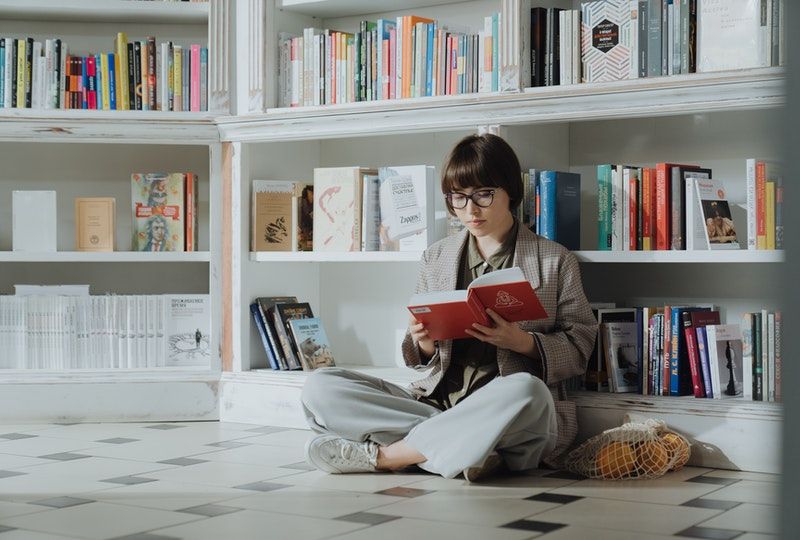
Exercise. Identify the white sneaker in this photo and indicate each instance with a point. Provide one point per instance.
(493, 464)
(334, 455)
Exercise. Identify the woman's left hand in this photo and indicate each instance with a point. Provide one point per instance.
(504, 335)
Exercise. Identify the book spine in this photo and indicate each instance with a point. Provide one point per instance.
(662, 231)
(195, 78)
(177, 79)
(259, 322)
(698, 388)
(113, 101)
(134, 78)
(758, 364)
(2, 72)
(747, 356)
(666, 341)
(604, 207)
(152, 79)
(204, 79)
(705, 365)
(769, 205)
(189, 205)
(548, 205)
(91, 91)
(674, 376)
(770, 386)
(778, 356)
(121, 68)
(633, 221)
(28, 72)
(761, 216)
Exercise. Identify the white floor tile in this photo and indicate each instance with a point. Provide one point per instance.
(223, 474)
(466, 507)
(584, 533)
(627, 516)
(257, 454)
(10, 509)
(405, 529)
(33, 535)
(293, 438)
(10, 462)
(748, 517)
(99, 520)
(96, 468)
(658, 491)
(252, 524)
(757, 536)
(33, 487)
(514, 487)
(165, 495)
(749, 491)
(685, 473)
(150, 450)
(42, 446)
(369, 483)
(321, 503)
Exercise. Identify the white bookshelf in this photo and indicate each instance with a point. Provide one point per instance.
(705, 257)
(105, 11)
(340, 8)
(107, 147)
(322, 257)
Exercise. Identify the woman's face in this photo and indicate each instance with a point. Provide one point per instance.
(486, 211)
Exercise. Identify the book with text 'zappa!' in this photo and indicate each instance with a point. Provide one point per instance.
(725, 357)
(313, 346)
(447, 314)
(337, 207)
(606, 45)
(158, 211)
(409, 222)
(720, 231)
(188, 320)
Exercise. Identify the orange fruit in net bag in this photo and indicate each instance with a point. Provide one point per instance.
(678, 449)
(616, 460)
(652, 457)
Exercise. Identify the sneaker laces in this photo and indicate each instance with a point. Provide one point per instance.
(365, 453)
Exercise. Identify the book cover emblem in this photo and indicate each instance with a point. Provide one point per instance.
(506, 300)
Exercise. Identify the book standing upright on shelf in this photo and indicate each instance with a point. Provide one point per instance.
(447, 314)
(34, 224)
(621, 351)
(720, 231)
(274, 215)
(337, 208)
(725, 358)
(188, 330)
(282, 314)
(266, 308)
(95, 223)
(408, 219)
(159, 213)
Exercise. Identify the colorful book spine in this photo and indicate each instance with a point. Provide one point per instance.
(91, 82)
(112, 81)
(548, 205)
(195, 78)
(604, 207)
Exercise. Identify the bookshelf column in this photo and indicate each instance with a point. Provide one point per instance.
(220, 58)
(251, 40)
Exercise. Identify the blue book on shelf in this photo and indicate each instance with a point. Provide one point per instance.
(112, 82)
(495, 51)
(547, 205)
(604, 207)
(256, 312)
(429, 61)
(85, 84)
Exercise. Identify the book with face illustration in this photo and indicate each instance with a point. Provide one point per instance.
(159, 214)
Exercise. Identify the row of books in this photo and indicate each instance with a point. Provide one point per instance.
(292, 337)
(78, 331)
(679, 351)
(164, 209)
(139, 75)
(346, 209)
(681, 207)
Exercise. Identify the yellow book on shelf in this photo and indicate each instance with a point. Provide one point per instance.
(121, 47)
(770, 211)
(106, 88)
(177, 78)
(21, 43)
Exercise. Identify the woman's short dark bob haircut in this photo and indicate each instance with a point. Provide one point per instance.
(481, 161)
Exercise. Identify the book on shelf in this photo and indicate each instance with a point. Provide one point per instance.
(559, 217)
(447, 314)
(273, 347)
(407, 214)
(736, 34)
(313, 347)
(34, 221)
(720, 230)
(188, 330)
(282, 314)
(51, 290)
(159, 211)
(688, 229)
(607, 50)
(274, 215)
(599, 379)
(724, 343)
(95, 223)
(337, 208)
(621, 351)
(260, 323)
(699, 368)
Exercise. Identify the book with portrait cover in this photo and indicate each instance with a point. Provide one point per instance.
(312, 343)
(158, 211)
(724, 343)
(447, 314)
(720, 231)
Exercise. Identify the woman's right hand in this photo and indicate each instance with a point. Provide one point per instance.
(426, 346)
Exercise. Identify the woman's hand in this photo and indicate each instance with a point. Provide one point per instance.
(504, 335)
(419, 334)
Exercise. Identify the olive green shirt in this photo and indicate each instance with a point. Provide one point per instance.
(474, 362)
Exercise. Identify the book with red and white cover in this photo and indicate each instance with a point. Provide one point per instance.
(447, 314)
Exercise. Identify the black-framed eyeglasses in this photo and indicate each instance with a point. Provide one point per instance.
(482, 198)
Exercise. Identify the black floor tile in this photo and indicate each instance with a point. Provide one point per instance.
(709, 533)
(714, 504)
(536, 526)
(554, 498)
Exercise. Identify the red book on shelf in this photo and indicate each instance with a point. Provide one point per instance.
(447, 314)
(691, 321)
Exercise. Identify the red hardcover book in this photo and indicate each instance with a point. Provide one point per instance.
(447, 314)
(691, 321)
(647, 208)
(633, 202)
(663, 230)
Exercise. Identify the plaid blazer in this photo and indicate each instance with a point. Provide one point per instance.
(565, 338)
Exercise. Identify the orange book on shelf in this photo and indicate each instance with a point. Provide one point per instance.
(447, 314)
(409, 21)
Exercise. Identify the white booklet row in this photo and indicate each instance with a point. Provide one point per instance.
(104, 332)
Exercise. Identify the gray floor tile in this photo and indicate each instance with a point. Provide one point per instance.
(554, 498)
(9, 474)
(228, 444)
(64, 456)
(368, 518)
(266, 429)
(62, 502)
(164, 427)
(210, 510)
(712, 480)
(16, 436)
(711, 503)
(146, 536)
(404, 492)
(709, 533)
(299, 466)
(129, 480)
(183, 462)
(262, 486)
(3, 529)
(118, 440)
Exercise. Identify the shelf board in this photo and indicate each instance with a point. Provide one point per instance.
(658, 96)
(716, 256)
(351, 256)
(104, 257)
(146, 127)
(93, 376)
(344, 8)
(122, 11)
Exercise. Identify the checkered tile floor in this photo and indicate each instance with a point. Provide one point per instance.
(222, 480)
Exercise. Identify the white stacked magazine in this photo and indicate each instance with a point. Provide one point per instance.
(104, 332)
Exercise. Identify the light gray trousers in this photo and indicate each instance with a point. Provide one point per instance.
(514, 415)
